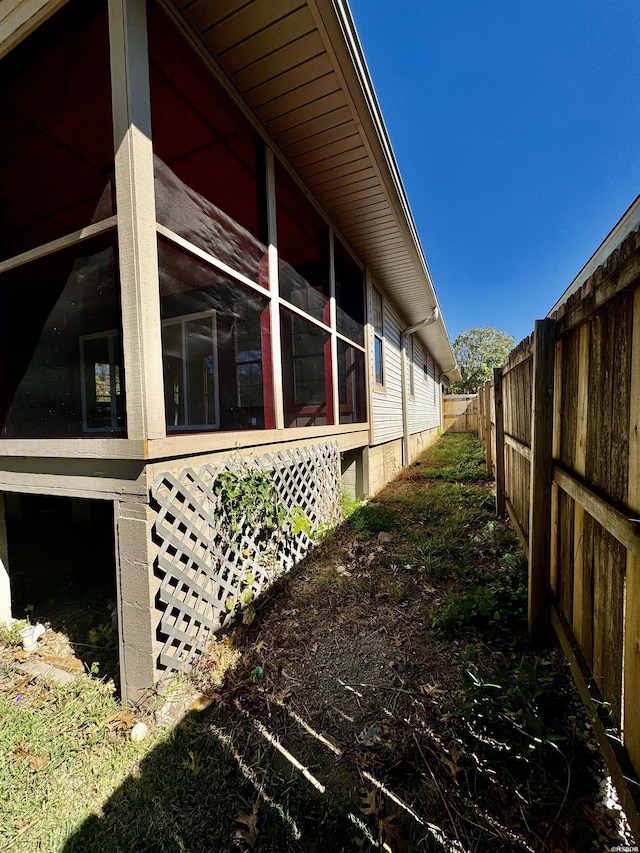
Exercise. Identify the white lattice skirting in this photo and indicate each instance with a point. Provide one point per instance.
(209, 564)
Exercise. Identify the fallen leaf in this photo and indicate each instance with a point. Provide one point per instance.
(282, 694)
(452, 763)
(67, 664)
(390, 832)
(192, 763)
(201, 703)
(369, 803)
(247, 830)
(38, 763)
(430, 689)
(120, 720)
(19, 753)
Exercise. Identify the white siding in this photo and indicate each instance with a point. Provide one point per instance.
(387, 403)
(424, 408)
(424, 413)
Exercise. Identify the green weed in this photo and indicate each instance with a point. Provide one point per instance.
(10, 634)
(492, 602)
(367, 520)
(515, 701)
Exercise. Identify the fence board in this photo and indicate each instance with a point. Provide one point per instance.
(460, 412)
(620, 346)
(499, 455)
(587, 588)
(593, 562)
(567, 550)
(631, 717)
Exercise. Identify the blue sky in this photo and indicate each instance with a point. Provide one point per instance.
(516, 126)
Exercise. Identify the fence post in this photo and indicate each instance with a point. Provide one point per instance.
(632, 598)
(541, 479)
(500, 484)
(487, 425)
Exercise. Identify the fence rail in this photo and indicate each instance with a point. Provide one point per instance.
(561, 428)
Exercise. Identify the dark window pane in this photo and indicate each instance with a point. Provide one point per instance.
(303, 249)
(189, 355)
(56, 145)
(60, 352)
(379, 367)
(377, 312)
(212, 334)
(102, 382)
(351, 384)
(349, 295)
(306, 371)
(209, 164)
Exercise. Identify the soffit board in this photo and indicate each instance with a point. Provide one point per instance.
(298, 65)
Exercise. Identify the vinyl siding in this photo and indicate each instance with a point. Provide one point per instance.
(423, 412)
(387, 403)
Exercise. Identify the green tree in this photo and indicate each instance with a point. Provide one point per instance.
(478, 351)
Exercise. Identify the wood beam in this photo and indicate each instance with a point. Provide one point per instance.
(499, 409)
(136, 212)
(541, 479)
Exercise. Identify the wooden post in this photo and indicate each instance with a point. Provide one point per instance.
(541, 480)
(557, 436)
(135, 203)
(272, 356)
(137, 617)
(580, 468)
(5, 582)
(631, 686)
(487, 426)
(500, 484)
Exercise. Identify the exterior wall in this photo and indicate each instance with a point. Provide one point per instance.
(385, 460)
(421, 440)
(424, 407)
(386, 413)
(353, 473)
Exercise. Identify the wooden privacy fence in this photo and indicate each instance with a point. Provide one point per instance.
(561, 428)
(460, 413)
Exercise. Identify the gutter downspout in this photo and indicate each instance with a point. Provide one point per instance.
(404, 334)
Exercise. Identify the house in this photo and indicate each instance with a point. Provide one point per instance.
(206, 256)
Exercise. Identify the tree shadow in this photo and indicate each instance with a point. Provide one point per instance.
(222, 781)
(256, 770)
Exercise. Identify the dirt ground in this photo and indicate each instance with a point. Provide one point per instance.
(356, 699)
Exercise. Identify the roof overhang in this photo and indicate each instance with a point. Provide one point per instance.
(299, 66)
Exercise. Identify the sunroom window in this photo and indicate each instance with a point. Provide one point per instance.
(215, 333)
(248, 357)
(102, 380)
(306, 366)
(189, 357)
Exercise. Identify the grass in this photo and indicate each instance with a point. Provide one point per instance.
(457, 461)
(64, 750)
(396, 703)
